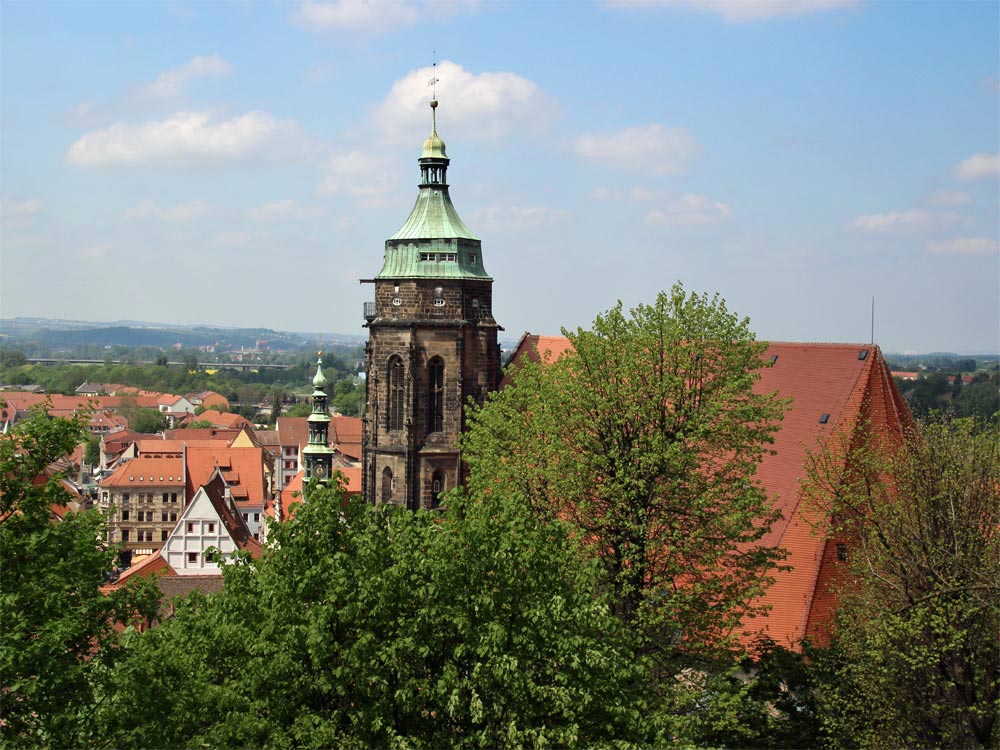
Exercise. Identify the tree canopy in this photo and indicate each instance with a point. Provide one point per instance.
(58, 641)
(915, 661)
(646, 438)
(371, 626)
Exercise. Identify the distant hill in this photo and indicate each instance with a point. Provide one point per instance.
(57, 334)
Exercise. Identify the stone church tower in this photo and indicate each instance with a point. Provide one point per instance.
(432, 344)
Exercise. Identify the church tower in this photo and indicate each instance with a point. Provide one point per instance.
(317, 455)
(432, 344)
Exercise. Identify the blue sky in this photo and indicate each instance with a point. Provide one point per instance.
(242, 163)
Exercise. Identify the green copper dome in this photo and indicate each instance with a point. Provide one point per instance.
(320, 380)
(434, 148)
(434, 242)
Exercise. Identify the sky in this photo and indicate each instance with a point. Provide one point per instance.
(242, 163)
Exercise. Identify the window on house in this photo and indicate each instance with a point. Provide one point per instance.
(842, 552)
(163, 516)
(193, 557)
(163, 535)
(124, 515)
(386, 485)
(256, 517)
(246, 516)
(165, 495)
(211, 527)
(173, 497)
(124, 535)
(190, 527)
(173, 515)
(395, 394)
(125, 497)
(435, 402)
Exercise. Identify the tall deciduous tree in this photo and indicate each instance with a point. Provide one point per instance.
(646, 438)
(369, 626)
(57, 639)
(916, 658)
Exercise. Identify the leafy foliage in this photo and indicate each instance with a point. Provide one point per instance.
(646, 439)
(58, 642)
(374, 626)
(920, 623)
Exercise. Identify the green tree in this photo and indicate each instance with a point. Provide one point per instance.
(301, 409)
(366, 626)
(92, 453)
(646, 438)
(915, 661)
(58, 643)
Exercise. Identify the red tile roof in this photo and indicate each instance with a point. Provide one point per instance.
(291, 496)
(147, 472)
(292, 431)
(222, 419)
(345, 434)
(243, 469)
(830, 379)
(218, 434)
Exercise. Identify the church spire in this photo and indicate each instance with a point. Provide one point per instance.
(434, 242)
(317, 456)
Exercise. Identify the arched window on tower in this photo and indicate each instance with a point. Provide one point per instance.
(395, 381)
(386, 485)
(437, 489)
(435, 401)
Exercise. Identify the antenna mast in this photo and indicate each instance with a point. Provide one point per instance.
(873, 320)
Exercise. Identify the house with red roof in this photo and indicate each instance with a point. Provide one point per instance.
(835, 390)
(142, 500)
(245, 475)
(208, 399)
(220, 420)
(211, 520)
(289, 499)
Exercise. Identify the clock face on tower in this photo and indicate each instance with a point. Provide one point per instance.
(319, 471)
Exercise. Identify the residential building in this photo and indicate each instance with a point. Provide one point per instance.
(142, 499)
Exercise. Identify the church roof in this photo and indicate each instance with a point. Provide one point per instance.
(834, 389)
(433, 242)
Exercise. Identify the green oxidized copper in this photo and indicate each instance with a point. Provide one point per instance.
(434, 242)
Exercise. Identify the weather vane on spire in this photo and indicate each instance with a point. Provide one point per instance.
(434, 102)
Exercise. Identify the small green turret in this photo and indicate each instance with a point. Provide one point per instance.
(317, 456)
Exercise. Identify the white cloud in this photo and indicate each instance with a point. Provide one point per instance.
(285, 210)
(170, 83)
(374, 15)
(28, 207)
(354, 15)
(914, 219)
(185, 139)
(949, 198)
(96, 251)
(742, 11)
(236, 240)
(978, 166)
(689, 210)
(359, 175)
(636, 194)
(649, 148)
(18, 214)
(178, 214)
(964, 246)
(498, 218)
(486, 106)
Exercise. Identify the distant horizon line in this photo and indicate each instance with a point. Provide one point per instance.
(154, 325)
